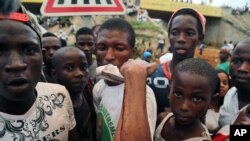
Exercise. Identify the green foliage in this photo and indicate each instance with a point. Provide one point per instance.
(145, 26)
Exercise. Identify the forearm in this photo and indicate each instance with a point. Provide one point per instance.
(133, 124)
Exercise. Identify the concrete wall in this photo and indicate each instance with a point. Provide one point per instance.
(229, 33)
(218, 30)
(212, 31)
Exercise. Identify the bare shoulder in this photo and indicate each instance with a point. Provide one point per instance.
(161, 116)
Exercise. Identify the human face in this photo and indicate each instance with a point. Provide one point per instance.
(20, 60)
(240, 66)
(86, 43)
(72, 71)
(189, 97)
(224, 83)
(184, 36)
(113, 48)
(223, 56)
(50, 45)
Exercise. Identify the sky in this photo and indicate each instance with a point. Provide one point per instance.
(230, 3)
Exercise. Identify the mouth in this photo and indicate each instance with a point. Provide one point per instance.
(17, 85)
(18, 82)
(182, 119)
(181, 50)
(222, 91)
(241, 79)
(81, 83)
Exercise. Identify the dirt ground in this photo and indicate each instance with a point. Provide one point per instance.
(210, 54)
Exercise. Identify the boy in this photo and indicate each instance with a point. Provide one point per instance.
(71, 70)
(186, 30)
(193, 84)
(50, 43)
(115, 103)
(85, 41)
(238, 96)
(34, 111)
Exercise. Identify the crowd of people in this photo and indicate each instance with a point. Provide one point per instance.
(49, 91)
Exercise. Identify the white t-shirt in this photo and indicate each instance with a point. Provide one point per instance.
(92, 70)
(50, 117)
(166, 57)
(108, 103)
(230, 108)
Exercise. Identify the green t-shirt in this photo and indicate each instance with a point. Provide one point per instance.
(223, 66)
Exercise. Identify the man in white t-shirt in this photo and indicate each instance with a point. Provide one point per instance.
(29, 110)
(119, 105)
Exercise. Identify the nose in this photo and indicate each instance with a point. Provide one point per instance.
(244, 67)
(185, 106)
(86, 48)
(222, 84)
(15, 63)
(51, 52)
(182, 37)
(79, 73)
(110, 54)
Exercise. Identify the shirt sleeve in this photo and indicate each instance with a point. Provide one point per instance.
(98, 87)
(151, 110)
(70, 110)
(229, 109)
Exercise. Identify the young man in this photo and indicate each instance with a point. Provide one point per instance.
(85, 41)
(186, 30)
(50, 43)
(238, 96)
(115, 102)
(71, 70)
(29, 110)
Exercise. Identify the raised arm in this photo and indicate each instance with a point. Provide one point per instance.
(133, 123)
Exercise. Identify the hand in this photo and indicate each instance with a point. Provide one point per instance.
(138, 66)
(134, 68)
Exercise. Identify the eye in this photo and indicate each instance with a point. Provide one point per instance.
(225, 82)
(176, 94)
(197, 99)
(69, 68)
(175, 33)
(84, 68)
(101, 48)
(236, 61)
(119, 48)
(190, 33)
(90, 44)
(29, 50)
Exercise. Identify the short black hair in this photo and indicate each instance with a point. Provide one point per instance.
(199, 67)
(121, 25)
(49, 34)
(84, 31)
(60, 52)
(191, 12)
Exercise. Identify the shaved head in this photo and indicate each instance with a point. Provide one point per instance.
(62, 53)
